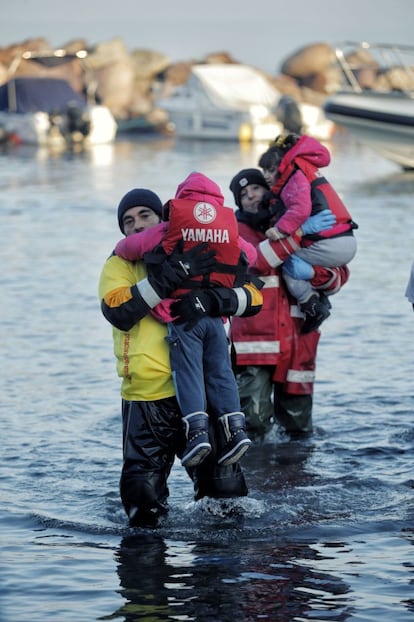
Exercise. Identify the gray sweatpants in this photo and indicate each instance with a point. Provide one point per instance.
(330, 253)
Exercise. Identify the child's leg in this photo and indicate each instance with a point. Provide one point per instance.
(297, 274)
(222, 393)
(330, 252)
(300, 289)
(186, 359)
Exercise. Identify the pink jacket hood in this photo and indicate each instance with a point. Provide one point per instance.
(307, 150)
(198, 187)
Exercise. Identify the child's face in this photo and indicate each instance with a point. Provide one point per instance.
(270, 173)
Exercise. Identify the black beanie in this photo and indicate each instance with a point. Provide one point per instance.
(244, 178)
(139, 197)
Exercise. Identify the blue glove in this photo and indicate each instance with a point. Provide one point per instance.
(298, 268)
(321, 221)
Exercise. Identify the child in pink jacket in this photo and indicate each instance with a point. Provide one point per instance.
(298, 190)
(199, 354)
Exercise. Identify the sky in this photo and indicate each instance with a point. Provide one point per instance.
(261, 33)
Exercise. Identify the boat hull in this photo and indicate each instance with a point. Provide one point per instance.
(384, 121)
(221, 125)
(36, 129)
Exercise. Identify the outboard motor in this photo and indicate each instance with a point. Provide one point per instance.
(288, 113)
(78, 122)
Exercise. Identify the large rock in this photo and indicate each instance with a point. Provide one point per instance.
(222, 58)
(395, 79)
(148, 64)
(113, 69)
(311, 59)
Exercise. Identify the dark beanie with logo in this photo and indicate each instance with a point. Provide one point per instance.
(139, 197)
(244, 178)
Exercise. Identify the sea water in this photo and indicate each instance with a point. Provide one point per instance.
(326, 532)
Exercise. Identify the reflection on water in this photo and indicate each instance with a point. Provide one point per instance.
(246, 581)
(326, 531)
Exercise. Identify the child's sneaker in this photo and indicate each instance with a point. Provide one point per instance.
(316, 311)
(237, 441)
(198, 444)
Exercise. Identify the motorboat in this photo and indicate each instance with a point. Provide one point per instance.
(223, 102)
(229, 102)
(47, 111)
(376, 104)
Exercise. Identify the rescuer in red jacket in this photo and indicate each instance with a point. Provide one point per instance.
(271, 354)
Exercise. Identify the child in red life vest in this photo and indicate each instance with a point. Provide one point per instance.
(199, 353)
(298, 190)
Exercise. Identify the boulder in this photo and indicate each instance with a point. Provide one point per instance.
(395, 79)
(113, 69)
(147, 64)
(221, 58)
(178, 73)
(311, 59)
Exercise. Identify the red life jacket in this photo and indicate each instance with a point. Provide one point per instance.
(323, 196)
(195, 222)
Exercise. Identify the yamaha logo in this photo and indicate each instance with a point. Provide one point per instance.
(204, 213)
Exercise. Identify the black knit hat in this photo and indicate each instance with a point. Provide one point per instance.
(244, 178)
(138, 197)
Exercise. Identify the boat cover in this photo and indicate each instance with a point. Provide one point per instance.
(38, 94)
(234, 86)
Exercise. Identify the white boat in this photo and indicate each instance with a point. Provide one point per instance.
(381, 116)
(48, 112)
(230, 102)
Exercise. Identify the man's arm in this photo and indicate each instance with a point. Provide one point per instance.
(125, 300)
(329, 280)
(121, 303)
(272, 253)
(242, 301)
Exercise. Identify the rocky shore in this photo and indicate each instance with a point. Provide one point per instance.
(130, 82)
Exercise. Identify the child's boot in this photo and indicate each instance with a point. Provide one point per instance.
(237, 441)
(316, 311)
(198, 444)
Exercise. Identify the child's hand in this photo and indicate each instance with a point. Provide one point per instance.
(273, 234)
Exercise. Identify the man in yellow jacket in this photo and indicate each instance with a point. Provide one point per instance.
(152, 424)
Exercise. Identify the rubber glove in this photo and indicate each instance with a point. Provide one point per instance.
(298, 268)
(167, 272)
(192, 307)
(319, 222)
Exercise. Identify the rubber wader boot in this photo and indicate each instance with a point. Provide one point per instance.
(198, 444)
(237, 441)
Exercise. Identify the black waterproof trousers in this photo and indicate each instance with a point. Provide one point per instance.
(153, 435)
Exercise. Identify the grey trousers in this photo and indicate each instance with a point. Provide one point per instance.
(332, 252)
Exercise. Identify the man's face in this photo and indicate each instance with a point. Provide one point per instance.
(138, 218)
(251, 197)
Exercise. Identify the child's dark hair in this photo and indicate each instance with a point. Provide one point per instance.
(277, 150)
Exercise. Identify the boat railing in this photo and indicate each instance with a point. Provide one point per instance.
(353, 57)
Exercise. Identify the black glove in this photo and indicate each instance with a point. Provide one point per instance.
(167, 272)
(192, 307)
